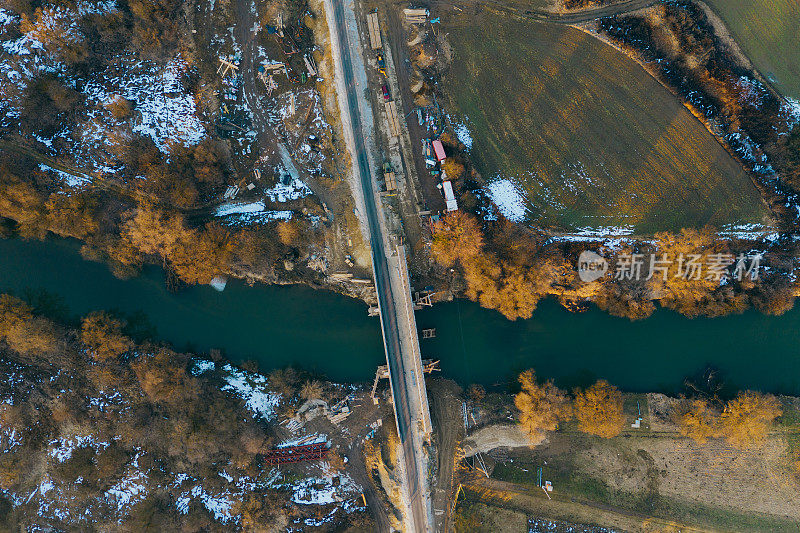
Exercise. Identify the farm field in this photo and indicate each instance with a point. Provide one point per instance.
(767, 31)
(588, 137)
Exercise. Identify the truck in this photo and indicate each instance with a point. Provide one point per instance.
(389, 178)
(427, 153)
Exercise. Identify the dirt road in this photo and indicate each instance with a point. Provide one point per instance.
(531, 500)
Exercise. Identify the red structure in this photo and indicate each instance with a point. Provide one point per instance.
(296, 454)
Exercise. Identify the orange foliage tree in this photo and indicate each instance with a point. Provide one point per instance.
(541, 406)
(696, 420)
(102, 333)
(748, 417)
(599, 410)
(457, 236)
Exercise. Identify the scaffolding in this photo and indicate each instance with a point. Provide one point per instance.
(225, 66)
(428, 366)
(296, 454)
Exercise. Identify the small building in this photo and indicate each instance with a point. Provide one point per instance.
(449, 197)
(438, 149)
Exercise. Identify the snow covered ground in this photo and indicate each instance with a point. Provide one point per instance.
(463, 134)
(162, 109)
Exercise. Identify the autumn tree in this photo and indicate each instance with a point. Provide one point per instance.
(748, 417)
(49, 106)
(452, 168)
(288, 232)
(696, 420)
(311, 390)
(156, 31)
(476, 393)
(102, 334)
(24, 332)
(599, 410)
(683, 284)
(21, 202)
(541, 406)
(457, 236)
(163, 379)
(72, 215)
(196, 255)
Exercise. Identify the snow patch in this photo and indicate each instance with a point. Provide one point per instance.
(508, 199)
(63, 448)
(67, 178)
(250, 213)
(165, 112)
(252, 388)
(289, 189)
(128, 490)
(202, 366)
(463, 134)
(321, 491)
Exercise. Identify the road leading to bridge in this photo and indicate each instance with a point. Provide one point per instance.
(391, 283)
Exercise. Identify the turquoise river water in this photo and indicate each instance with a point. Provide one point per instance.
(331, 334)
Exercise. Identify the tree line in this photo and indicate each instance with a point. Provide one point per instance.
(743, 421)
(510, 268)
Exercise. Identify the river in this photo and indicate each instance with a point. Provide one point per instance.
(331, 334)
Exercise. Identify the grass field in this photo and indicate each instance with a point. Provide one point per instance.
(588, 135)
(713, 486)
(767, 31)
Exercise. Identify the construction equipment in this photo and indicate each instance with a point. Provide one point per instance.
(231, 192)
(268, 80)
(427, 153)
(389, 179)
(423, 300)
(449, 197)
(309, 61)
(381, 64)
(374, 30)
(296, 454)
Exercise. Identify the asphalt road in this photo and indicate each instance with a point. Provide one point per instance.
(401, 387)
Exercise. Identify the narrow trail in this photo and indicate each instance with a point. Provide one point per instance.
(98, 181)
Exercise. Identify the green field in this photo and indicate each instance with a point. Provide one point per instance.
(586, 133)
(768, 32)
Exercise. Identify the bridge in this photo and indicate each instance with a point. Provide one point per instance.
(395, 304)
